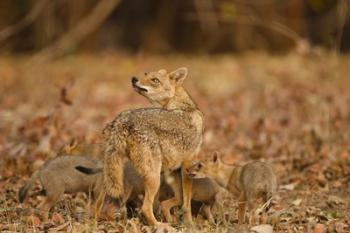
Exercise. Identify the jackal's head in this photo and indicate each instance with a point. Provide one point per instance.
(205, 168)
(159, 86)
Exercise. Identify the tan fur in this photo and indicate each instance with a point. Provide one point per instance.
(59, 176)
(204, 190)
(249, 183)
(154, 138)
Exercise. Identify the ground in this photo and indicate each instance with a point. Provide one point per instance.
(291, 110)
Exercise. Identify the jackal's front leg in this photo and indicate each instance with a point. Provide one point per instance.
(187, 195)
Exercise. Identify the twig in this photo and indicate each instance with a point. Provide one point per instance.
(60, 227)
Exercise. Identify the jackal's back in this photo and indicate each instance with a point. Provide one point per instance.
(176, 132)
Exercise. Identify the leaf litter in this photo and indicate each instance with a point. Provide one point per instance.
(290, 110)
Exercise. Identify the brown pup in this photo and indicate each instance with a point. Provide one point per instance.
(153, 139)
(60, 175)
(204, 190)
(249, 183)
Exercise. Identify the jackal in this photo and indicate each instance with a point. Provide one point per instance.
(165, 138)
(250, 182)
(59, 176)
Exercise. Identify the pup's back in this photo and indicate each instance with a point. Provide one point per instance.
(61, 171)
(59, 176)
(256, 180)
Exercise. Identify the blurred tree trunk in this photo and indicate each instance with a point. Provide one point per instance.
(74, 36)
(78, 9)
(9, 14)
(38, 7)
(45, 25)
(156, 36)
(273, 25)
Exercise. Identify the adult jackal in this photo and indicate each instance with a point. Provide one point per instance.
(167, 137)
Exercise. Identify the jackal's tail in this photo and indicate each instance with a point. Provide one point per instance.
(23, 191)
(113, 171)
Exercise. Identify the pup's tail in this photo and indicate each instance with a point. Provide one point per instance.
(89, 171)
(23, 191)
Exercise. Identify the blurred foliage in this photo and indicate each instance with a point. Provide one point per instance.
(184, 26)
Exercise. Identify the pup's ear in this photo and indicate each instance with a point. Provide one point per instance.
(162, 72)
(179, 75)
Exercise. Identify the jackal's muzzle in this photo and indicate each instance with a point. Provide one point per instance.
(134, 82)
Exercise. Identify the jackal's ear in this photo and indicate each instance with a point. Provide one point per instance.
(179, 75)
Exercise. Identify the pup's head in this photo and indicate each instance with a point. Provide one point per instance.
(159, 86)
(205, 168)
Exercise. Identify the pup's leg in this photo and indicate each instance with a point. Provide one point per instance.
(167, 205)
(252, 212)
(241, 208)
(53, 194)
(207, 211)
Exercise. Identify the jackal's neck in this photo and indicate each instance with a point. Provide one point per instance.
(223, 176)
(181, 100)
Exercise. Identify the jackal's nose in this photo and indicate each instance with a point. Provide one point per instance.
(134, 80)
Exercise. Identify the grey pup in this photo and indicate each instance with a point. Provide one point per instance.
(253, 181)
(59, 176)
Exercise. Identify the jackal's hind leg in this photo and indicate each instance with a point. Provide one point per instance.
(187, 195)
(113, 173)
(151, 184)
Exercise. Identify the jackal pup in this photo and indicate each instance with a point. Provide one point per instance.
(59, 176)
(165, 138)
(204, 190)
(250, 182)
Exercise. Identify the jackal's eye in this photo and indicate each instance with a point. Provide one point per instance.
(155, 80)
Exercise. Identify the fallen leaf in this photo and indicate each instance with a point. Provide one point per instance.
(340, 227)
(57, 218)
(288, 187)
(297, 202)
(319, 228)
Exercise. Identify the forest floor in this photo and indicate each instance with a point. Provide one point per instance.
(290, 110)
